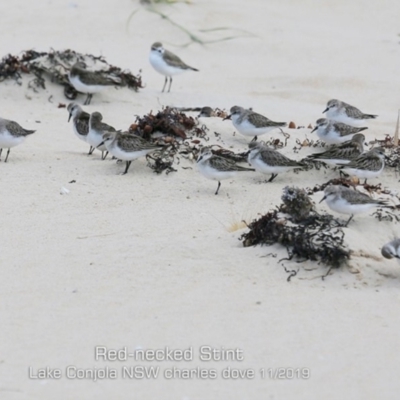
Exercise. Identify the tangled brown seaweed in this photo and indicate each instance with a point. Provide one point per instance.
(55, 65)
(304, 233)
(181, 133)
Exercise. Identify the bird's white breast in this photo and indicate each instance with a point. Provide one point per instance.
(7, 140)
(83, 88)
(158, 63)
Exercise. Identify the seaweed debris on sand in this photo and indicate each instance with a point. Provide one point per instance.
(304, 233)
(55, 65)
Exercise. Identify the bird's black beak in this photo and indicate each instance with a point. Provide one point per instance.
(322, 200)
(70, 115)
(314, 129)
(326, 109)
(101, 144)
(228, 117)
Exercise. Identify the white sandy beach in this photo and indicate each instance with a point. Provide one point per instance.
(148, 261)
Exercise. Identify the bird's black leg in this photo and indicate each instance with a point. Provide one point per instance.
(88, 99)
(329, 271)
(128, 164)
(351, 217)
(8, 152)
(105, 155)
(273, 176)
(219, 184)
(1, 150)
(365, 182)
(91, 150)
(170, 83)
(254, 139)
(165, 84)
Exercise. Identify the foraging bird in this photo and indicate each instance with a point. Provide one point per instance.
(269, 161)
(344, 200)
(366, 165)
(341, 153)
(90, 82)
(97, 128)
(11, 134)
(80, 122)
(206, 112)
(127, 146)
(217, 168)
(250, 123)
(392, 249)
(342, 112)
(333, 132)
(167, 63)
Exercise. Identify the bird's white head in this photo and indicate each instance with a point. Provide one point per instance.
(74, 110)
(157, 47)
(330, 192)
(332, 106)
(320, 123)
(204, 155)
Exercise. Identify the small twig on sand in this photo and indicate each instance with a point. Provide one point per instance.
(396, 133)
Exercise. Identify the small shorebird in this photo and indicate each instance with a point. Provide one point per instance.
(90, 82)
(96, 130)
(392, 249)
(11, 134)
(127, 146)
(333, 132)
(344, 200)
(206, 112)
(80, 122)
(342, 112)
(250, 123)
(167, 63)
(217, 168)
(341, 153)
(269, 161)
(366, 165)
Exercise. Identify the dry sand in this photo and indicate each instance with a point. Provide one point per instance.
(148, 261)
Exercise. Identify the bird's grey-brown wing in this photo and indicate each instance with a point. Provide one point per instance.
(346, 151)
(345, 130)
(355, 113)
(130, 142)
(260, 121)
(93, 77)
(367, 161)
(82, 123)
(103, 127)
(356, 197)
(223, 164)
(175, 61)
(17, 130)
(275, 159)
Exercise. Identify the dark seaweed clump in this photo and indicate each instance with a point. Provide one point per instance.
(170, 127)
(170, 122)
(304, 233)
(54, 67)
